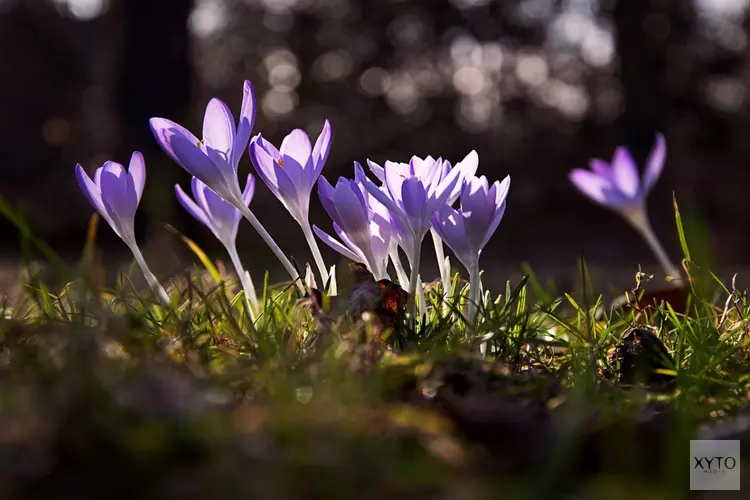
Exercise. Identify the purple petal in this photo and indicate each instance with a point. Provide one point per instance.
(219, 129)
(468, 167)
(450, 227)
(321, 149)
(247, 119)
(444, 190)
(354, 248)
(296, 146)
(393, 181)
(625, 173)
(377, 170)
(415, 204)
(496, 218)
(221, 214)
(249, 191)
(601, 168)
(597, 188)
(91, 191)
(353, 213)
(469, 164)
(654, 164)
(382, 197)
(118, 197)
(501, 191)
(265, 165)
(296, 201)
(426, 169)
(325, 195)
(478, 208)
(333, 243)
(474, 194)
(184, 148)
(191, 207)
(137, 173)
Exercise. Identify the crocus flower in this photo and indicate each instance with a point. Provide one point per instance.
(412, 194)
(363, 231)
(467, 230)
(214, 160)
(618, 186)
(115, 193)
(467, 167)
(291, 173)
(223, 219)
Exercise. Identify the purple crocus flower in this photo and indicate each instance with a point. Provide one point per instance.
(467, 230)
(364, 231)
(210, 209)
(223, 219)
(215, 159)
(115, 194)
(618, 186)
(291, 173)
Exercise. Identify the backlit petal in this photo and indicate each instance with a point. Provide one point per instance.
(377, 170)
(191, 207)
(625, 173)
(654, 164)
(320, 151)
(137, 173)
(333, 243)
(245, 127)
(219, 129)
(184, 148)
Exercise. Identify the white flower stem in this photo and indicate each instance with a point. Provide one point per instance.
(474, 286)
(251, 299)
(403, 278)
(445, 273)
(315, 249)
(413, 280)
(639, 220)
(443, 267)
(159, 291)
(248, 214)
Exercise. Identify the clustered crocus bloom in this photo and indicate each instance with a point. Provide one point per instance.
(115, 193)
(414, 192)
(467, 167)
(618, 186)
(291, 173)
(371, 222)
(215, 159)
(358, 222)
(467, 230)
(223, 219)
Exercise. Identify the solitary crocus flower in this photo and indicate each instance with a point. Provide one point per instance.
(618, 187)
(467, 230)
(115, 194)
(291, 172)
(223, 219)
(364, 231)
(467, 167)
(214, 160)
(413, 194)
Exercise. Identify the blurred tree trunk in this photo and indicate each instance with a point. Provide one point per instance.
(153, 78)
(649, 37)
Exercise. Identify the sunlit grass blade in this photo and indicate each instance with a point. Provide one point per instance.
(204, 259)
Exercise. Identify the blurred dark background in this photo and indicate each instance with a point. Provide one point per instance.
(537, 87)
